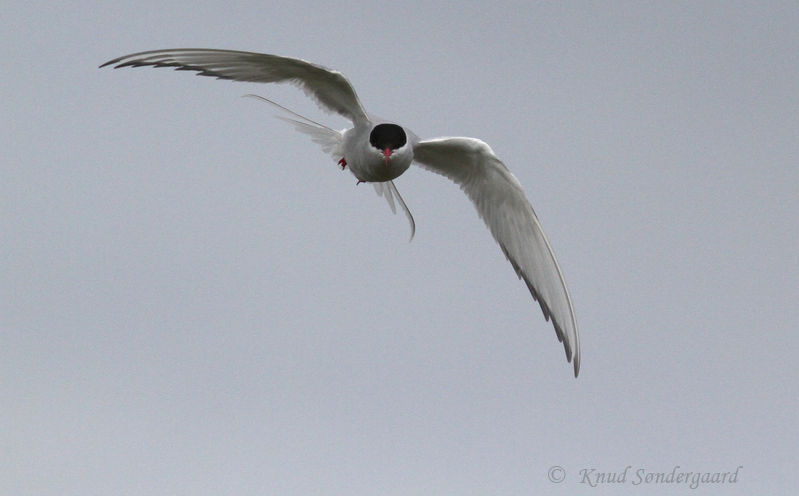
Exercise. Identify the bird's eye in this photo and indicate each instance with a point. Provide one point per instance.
(389, 136)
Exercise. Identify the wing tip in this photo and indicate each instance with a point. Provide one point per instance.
(572, 356)
(112, 62)
(576, 360)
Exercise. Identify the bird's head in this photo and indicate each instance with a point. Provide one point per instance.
(388, 139)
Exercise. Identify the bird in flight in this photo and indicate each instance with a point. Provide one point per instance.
(378, 151)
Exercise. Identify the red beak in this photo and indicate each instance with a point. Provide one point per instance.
(387, 153)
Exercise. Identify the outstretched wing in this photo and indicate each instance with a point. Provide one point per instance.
(329, 88)
(503, 206)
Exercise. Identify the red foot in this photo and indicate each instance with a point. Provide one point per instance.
(342, 163)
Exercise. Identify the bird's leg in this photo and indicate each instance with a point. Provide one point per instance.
(342, 163)
(359, 182)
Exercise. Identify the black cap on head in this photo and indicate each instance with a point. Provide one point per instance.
(389, 136)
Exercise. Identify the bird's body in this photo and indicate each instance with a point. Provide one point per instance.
(378, 151)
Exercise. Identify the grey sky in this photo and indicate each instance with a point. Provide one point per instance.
(196, 300)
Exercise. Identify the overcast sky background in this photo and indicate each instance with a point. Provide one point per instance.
(197, 301)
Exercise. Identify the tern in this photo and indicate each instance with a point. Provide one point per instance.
(378, 151)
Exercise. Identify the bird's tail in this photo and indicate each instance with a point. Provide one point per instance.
(388, 190)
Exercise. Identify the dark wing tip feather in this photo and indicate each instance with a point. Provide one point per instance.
(330, 89)
(201, 71)
(547, 313)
